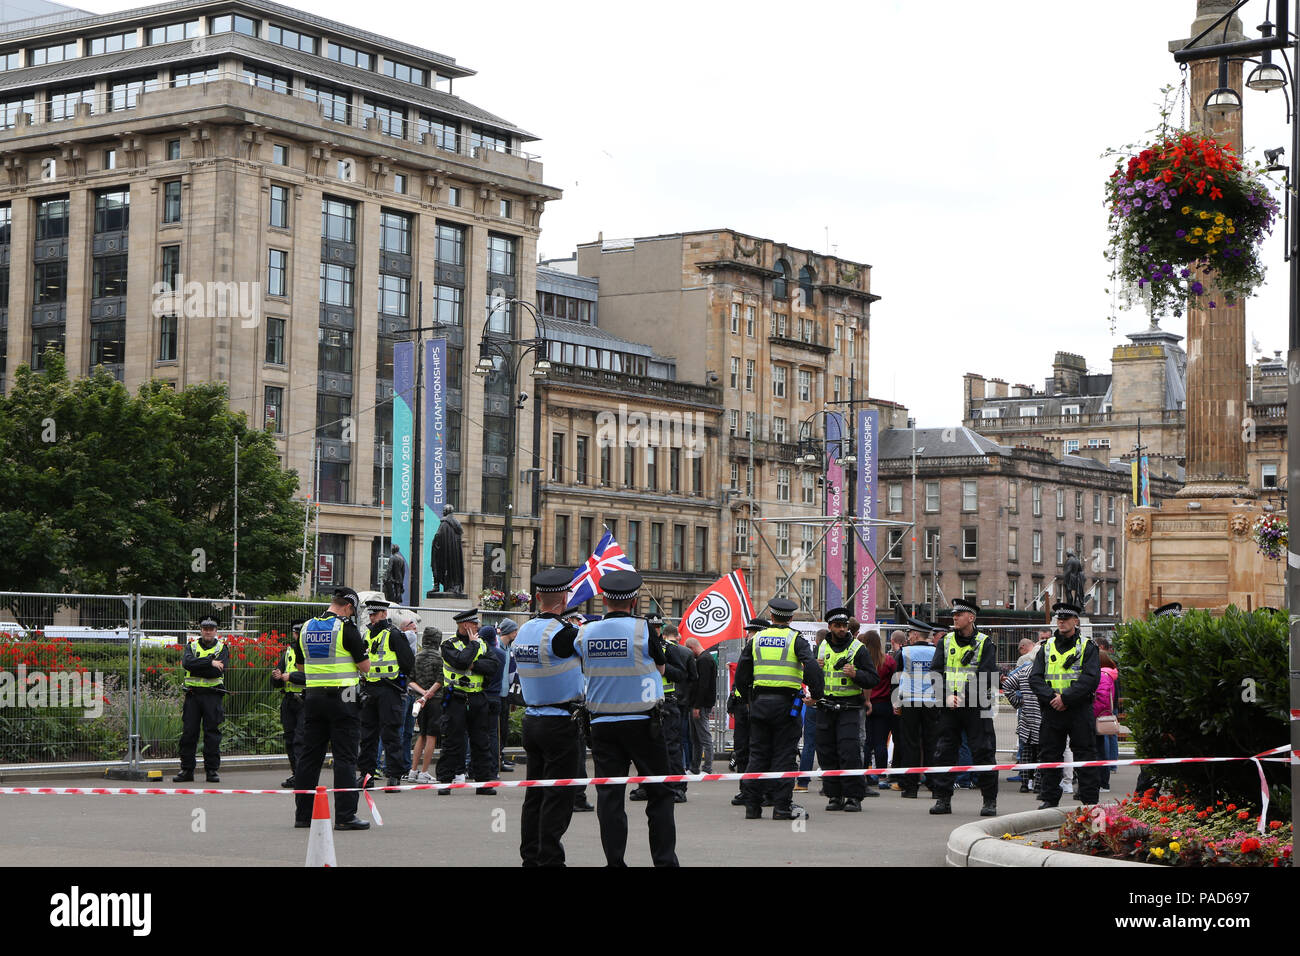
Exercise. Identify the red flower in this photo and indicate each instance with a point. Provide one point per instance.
(1275, 825)
(1249, 845)
(1243, 815)
(1232, 806)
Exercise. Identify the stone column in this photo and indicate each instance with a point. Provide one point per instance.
(1216, 337)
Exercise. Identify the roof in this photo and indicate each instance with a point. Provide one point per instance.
(936, 443)
(580, 333)
(90, 68)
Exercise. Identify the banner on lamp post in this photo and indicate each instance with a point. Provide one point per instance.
(864, 540)
(835, 538)
(435, 449)
(403, 493)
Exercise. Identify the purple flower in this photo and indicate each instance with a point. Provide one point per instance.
(1142, 248)
(1185, 273)
(1180, 233)
(1211, 303)
(1197, 288)
(1137, 203)
(1141, 283)
(1166, 203)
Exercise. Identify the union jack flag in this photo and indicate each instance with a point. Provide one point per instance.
(608, 556)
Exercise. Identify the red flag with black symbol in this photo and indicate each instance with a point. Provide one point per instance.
(719, 613)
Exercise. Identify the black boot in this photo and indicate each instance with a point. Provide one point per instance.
(990, 808)
(213, 777)
(638, 795)
(852, 805)
(941, 805)
(835, 803)
(185, 776)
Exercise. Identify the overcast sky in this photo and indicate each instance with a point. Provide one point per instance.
(953, 145)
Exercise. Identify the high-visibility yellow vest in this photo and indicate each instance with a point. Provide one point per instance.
(1058, 673)
(291, 665)
(383, 659)
(837, 684)
(326, 662)
(465, 680)
(775, 661)
(201, 651)
(957, 674)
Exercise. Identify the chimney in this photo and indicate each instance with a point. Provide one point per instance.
(999, 388)
(1021, 391)
(1067, 373)
(972, 393)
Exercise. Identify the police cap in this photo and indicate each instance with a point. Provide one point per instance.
(620, 585)
(468, 615)
(1062, 609)
(377, 604)
(552, 580)
(961, 604)
(782, 607)
(837, 615)
(346, 596)
(207, 622)
(655, 618)
(1172, 609)
(758, 624)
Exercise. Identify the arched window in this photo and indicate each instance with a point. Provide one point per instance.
(806, 285)
(780, 288)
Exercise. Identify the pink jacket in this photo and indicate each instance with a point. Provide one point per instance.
(1103, 702)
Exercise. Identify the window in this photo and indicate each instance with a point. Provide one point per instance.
(606, 458)
(697, 472)
(169, 266)
(1012, 544)
(1110, 554)
(969, 543)
(750, 312)
(399, 183)
(557, 457)
(279, 153)
(265, 79)
(679, 547)
(931, 496)
(894, 545)
(838, 386)
(280, 207)
(675, 469)
(335, 103)
(990, 413)
(632, 546)
(782, 532)
(970, 589)
(63, 105)
(741, 536)
(335, 285)
(124, 94)
(291, 38)
(233, 24)
(52, 54)
(108, 277)
(273, 406)
(778, 381)
(1069, 410)
(51, 282)
(1268, 475)
(701, 549)
(501, 255)
(1110, 509)
(277, 270)
(335, 351)
(1037, 495)
(809, 489)
(405, 72)
(114, 43)
(195, 76)
(442, 131)
(1096, 508)
(1110, 600)
(172, 201)
(167, 338)
(780, 286)
(394, 295)
(391, 116)
(1060, 547)
(805, 385)
(749, 375)
(453, 195)
(10, 109)
(1078, 506)
(485, 139)
(338, 220)
(110, 159)
(585, 544)
(931, 543)
(174, 148)
(1013, 496)
(275, 341)
(44, 339)
(733, 421)
(779, 320)
(895, 498)
(783, 484)
(1028, 411)
(735, 318)
(107, 343)
(1071, 446)
(450, 248)
(969, 496)
(735, 372)
(749, 481)
(349, 56)
(735, 476)
(1012, 584)
(562, 540)
(654, 560)
(580, 460)
(12, 60)
(112, 210)
(751, 419)
(1038, 547)
(1060, 502)
(651, 469)
(1078, 546)
(629, 467)
(778, 428)
(174, 31)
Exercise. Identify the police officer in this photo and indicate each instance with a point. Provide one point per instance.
(738, 708)
(466, 665)
(846, 672)
(205, 663)
(1064, 678)
(290, 700)
(916, 702)
(624, 669)
(772, 667)
(968, 663)
(679, 671)
(331, 655)
(383, 697)
(553, 689)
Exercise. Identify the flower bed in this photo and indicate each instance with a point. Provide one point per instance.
(1166, 830)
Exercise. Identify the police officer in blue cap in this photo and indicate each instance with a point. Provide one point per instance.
(916, 702)
(773, 667)
(624, 669)
(552, 686)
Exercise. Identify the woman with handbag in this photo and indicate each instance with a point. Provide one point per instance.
(1103, 708)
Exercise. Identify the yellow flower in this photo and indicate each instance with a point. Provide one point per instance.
(1185, 210)
(1229, 222)
(1204, 214)
(1218, 220)
(1197, 231)
(1157, 852)
(1174, 846)
(1230, 230)
(1192, 239)
(1209, 238)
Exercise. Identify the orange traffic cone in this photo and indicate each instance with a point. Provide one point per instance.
(320, 843)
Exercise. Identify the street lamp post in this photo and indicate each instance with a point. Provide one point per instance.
(1269, 76)
(490, 350)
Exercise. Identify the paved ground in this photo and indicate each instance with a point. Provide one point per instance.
(463, 829)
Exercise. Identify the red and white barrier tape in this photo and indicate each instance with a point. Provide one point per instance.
(1268, 755)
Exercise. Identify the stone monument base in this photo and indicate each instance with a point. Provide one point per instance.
(1200, 552)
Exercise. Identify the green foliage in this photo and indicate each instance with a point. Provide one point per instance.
(102, 492)
(1201, 686)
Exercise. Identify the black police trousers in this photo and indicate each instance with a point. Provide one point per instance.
(383, 710)
(673, 739)
(615, 745)
(330, 718)
(983, 749)
(839, 747)
(201, 706)
(917, 740)
(466, 714)
(553, 750)
(740, 737)
(1080, 726)
(773, 745)
(291, 721)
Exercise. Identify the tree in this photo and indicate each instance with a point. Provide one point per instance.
(103, 492)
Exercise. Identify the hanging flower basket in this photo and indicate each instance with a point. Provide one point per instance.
(1185, 213)
(521, 599)
(490, 599)
(1271, 536)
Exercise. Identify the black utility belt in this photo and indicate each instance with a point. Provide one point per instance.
(331, 691)
(642, 713)
(830, 703)
(458, 692)
(781, 691)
